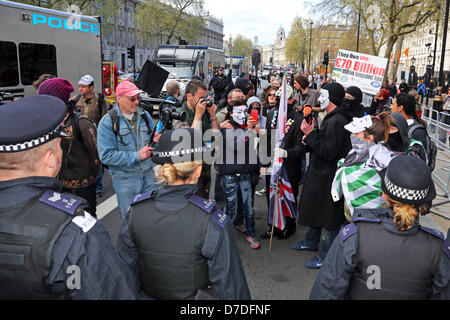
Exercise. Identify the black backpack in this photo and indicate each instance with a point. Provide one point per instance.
(431, 146)
(116, 126)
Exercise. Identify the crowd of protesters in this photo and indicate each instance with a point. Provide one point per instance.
(348, 180)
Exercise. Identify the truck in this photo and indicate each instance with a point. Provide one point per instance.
(238, 65)
(266, 72)
(184, 61)
(37, 41)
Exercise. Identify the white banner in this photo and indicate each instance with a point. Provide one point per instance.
(359, 69)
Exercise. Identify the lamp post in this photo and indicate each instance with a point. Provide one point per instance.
(429, 73)
(412, 70)
(310, 39)
(359, 24)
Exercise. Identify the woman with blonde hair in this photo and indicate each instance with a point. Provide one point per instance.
(180, 246)
(385, 254)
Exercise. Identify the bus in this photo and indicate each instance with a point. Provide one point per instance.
(35, 41)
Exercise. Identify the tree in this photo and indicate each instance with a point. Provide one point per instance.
(242, 46)
(384, 21)
(173, 18)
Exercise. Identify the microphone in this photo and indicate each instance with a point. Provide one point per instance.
(307, 114)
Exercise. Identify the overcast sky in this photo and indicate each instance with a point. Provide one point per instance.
(256, 18)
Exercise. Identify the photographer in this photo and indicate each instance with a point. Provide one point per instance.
(200, 115)
(123, 137)
(195, 107)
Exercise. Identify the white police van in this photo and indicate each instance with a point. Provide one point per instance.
(35, 41)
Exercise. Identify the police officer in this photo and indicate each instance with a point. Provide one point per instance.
(219, 83)
(385, 253)
(50, 248)
(185, 248)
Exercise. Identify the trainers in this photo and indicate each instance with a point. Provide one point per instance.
(261, 192)
(240, 228)
(314, 263)
(254, 243)
(301, 246)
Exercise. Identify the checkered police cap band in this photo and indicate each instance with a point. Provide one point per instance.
(403, 193)
(178, 153)
(34, 142)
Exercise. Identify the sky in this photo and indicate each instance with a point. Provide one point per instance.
(260, 18)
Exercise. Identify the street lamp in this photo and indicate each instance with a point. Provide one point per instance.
(310, 39)
(429, 71)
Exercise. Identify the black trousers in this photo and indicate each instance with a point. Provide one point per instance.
(88, 193)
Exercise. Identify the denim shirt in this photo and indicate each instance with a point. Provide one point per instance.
(123, 158)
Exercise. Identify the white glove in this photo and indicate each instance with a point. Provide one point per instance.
(280, 153)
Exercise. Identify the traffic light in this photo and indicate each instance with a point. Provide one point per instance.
(326, 58)
(130, 52)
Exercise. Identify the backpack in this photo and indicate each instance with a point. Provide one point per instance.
(431, 146)
(116, 126)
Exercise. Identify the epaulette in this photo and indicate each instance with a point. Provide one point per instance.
(142, 197)
(62, 201)
(220, 218)
(348, 231)
(357, 219)
(433, 232)
(205, 205)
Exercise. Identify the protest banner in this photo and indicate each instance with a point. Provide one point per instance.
(358, 69)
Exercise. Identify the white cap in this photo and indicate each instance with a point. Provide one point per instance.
(86, 80)
(359, 124)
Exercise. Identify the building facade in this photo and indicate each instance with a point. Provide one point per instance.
(329, 36)
(279, 50)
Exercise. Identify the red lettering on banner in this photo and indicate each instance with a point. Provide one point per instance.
(364, 58)
(356, 67)
(375, 71)
(338, 62)
(348, 64)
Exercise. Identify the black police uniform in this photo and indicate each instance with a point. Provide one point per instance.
(178, 244)
(50, 248)
(413, 264)
(219, 83)
(182, 246)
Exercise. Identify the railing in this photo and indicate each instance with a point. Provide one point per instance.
(438, 125)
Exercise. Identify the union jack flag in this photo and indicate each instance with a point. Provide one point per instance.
(286, 205)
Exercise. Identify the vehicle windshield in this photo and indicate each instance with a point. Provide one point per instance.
(180, 70)
(235, 72)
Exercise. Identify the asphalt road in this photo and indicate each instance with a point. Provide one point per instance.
(278, 274)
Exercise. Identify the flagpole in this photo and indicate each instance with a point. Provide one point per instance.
(273, 215)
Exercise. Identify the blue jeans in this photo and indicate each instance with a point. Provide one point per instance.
(127, 187)
(98, 180)
(312, 239)
(232, 186)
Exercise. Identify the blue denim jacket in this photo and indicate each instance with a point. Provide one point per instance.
(123, 158)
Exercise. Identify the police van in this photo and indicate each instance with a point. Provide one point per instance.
(36, 41)
(238, 66)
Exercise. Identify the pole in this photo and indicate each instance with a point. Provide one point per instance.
(310, 39)
(273, 217)
(444, 42)
(435, 44)
(359, 24)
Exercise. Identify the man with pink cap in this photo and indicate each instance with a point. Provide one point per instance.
(123, 144)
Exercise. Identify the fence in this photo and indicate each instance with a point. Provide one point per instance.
(438, 124)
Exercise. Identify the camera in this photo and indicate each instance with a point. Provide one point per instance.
(209, 102)
(168, 113)
(5, 96)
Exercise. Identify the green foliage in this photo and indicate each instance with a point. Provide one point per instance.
(241, 46)
(172, 18)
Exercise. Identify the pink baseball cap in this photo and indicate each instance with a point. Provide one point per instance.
(128, 89)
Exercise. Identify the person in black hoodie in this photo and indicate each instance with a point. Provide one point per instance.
(237, 165)
(353, 96)
(399, 141)
(292, 152)
(317, 210)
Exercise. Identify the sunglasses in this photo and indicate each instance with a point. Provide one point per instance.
(272, 95)
(133, 99)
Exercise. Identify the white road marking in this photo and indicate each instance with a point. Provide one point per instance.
(106, 207)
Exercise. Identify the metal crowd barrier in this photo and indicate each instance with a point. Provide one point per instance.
(438, 126)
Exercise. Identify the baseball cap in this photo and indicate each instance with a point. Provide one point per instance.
(359, 124)
(128, 89)
(86, 80)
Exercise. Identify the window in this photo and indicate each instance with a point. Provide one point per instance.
(35, 60)
(9, 73)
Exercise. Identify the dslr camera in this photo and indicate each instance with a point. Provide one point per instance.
(208, 100)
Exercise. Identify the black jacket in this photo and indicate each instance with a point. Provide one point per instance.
(244, 159)
(327, 146)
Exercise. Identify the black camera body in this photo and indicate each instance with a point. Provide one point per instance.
(168, 113)
(209, 102)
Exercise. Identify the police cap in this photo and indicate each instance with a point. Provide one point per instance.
(30, 122)
(179, 145)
